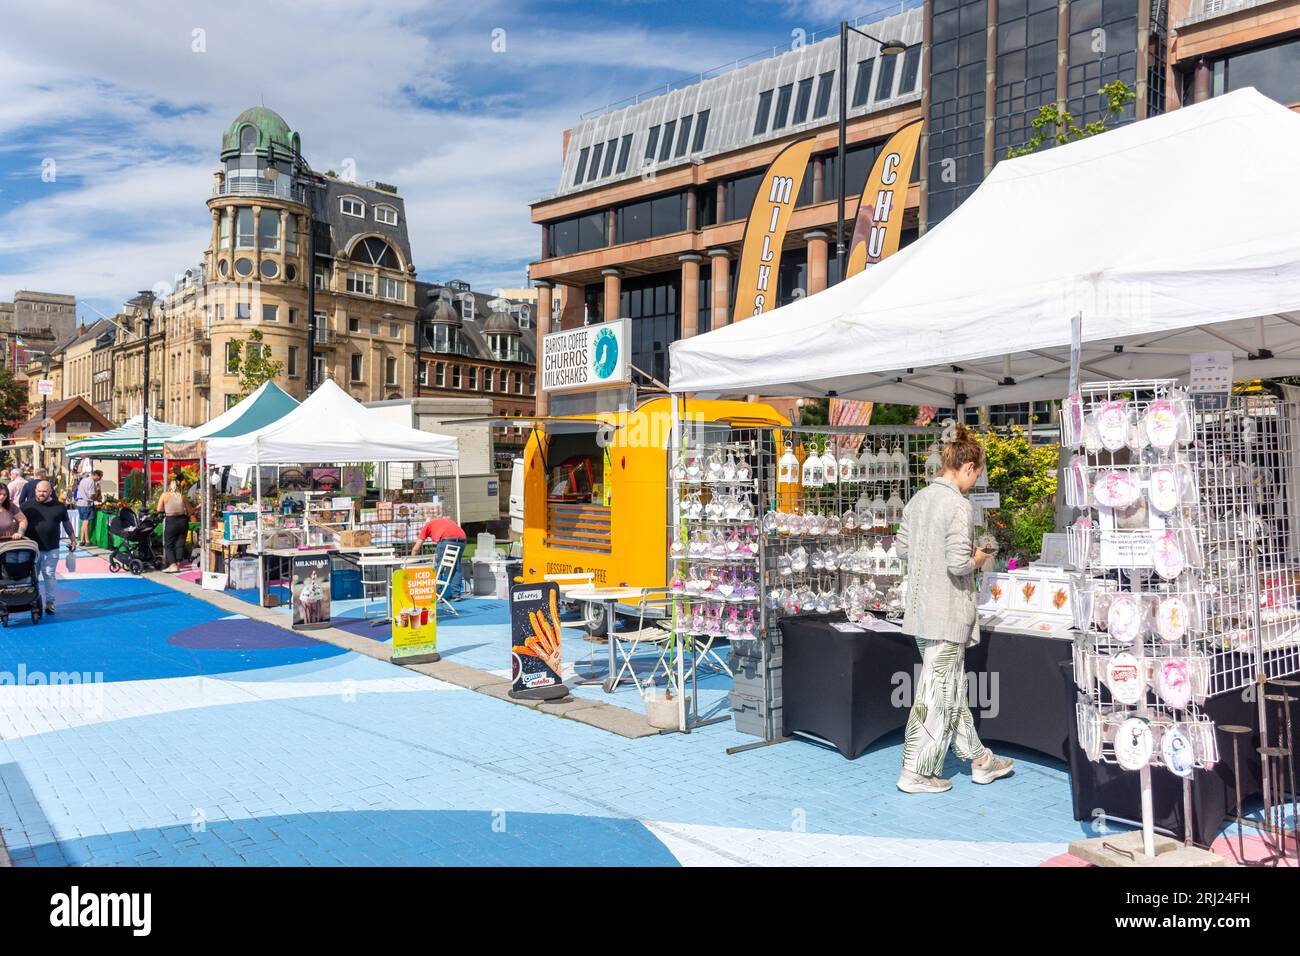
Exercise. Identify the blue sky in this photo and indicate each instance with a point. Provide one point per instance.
(111, 115)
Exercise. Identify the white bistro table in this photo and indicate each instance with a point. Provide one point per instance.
(609, 597)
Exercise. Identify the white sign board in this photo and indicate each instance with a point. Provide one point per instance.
(1211, 372)
(44, 386)
(593, 356)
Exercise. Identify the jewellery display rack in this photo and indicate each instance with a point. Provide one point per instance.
(715, 556)
(1139, 602)
(1249, 460)
(818, 545)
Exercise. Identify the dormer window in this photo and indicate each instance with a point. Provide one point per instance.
(386, 215)
(248, 139)
(352, 206)
(466, 305)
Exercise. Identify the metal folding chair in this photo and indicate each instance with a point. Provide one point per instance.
(446, 573)
(626, 645)
(375, 565)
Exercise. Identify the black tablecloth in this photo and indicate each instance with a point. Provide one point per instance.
(854, 688)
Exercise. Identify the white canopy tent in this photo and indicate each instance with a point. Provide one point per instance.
(330, 426)
(1175, 235)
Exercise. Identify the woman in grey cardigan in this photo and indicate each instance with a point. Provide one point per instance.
(939, 612)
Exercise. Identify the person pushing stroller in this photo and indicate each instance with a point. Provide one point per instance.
(45, 517)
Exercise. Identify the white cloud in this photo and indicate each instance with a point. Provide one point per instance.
(410, 91)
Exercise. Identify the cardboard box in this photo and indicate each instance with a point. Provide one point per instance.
(359, 538)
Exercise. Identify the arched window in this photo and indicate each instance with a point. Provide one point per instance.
(248, 139)
(373, 251)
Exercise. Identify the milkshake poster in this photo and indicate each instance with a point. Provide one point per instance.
(415, 615)
(311, 591)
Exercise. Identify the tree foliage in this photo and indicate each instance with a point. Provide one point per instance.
(251, 361)
(1059, 125)
(1025, 476)
(13, 405)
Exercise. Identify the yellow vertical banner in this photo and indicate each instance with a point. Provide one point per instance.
(760, 250)
(879, 224)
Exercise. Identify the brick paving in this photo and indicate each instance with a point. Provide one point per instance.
(208, 741)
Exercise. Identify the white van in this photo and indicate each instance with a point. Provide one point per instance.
(517, 500)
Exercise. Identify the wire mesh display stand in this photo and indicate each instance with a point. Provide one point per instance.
(1246, 452)
(828, 500)
(1139, 651)
(716, 472)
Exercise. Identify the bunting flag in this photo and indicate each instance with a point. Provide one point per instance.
(760, 250)
(879, 225)
(847, 411)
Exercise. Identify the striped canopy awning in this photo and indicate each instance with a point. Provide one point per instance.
(124, 441)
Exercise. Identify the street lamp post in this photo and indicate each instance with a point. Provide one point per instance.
(887, 48)
(146, 309)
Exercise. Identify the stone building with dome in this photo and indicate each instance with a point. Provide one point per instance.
(267, 208)
(474, 345)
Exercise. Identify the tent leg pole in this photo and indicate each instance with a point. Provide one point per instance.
(257, 516)
(455, 467)
(205, 515)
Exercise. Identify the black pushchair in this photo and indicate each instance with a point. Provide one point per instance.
(20, 586)
(135, 552)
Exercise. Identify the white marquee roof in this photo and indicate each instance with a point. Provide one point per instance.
(1174, 235)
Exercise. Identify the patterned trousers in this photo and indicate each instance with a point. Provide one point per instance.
(940, 717)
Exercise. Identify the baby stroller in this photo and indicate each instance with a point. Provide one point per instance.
(135, 552)
(19, 584)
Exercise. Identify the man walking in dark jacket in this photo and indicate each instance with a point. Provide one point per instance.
(45, 517)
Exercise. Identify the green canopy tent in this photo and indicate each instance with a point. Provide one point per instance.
(125, 441)
(269, 403)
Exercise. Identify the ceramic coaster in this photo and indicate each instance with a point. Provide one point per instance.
(1124, 678)
(1124, 618)
(1163, 490)
(1112, 424)
(1116, 489)
(1167, 555)
(1134, 744)
(1176, 749)
(1162, 424)
(1173, 683)
(1172, 619)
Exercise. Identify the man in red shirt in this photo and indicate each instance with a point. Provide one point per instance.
(443, 532)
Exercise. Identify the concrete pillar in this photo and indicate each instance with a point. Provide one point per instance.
(611, 227)
(690, 297)
(819, 179)
(572, 307)
(1202, 81)
(543, 317)
(721, 264)
(613, 294)
(691, 215)
(720, 202)
(818, 243)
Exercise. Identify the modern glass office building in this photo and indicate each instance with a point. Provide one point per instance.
(648, 215)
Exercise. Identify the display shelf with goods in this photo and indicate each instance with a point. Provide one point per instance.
(789, 521)
(1140, 651)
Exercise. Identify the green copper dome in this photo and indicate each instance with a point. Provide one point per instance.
(274, 138)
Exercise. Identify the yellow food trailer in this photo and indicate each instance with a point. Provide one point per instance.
(596, 490)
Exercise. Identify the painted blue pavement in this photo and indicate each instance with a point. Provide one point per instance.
(302, 753)
(128, 628)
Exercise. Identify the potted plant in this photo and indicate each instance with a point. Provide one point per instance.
(662, 705)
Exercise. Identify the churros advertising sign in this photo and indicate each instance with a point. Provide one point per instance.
(415, 615)
(535, 658)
